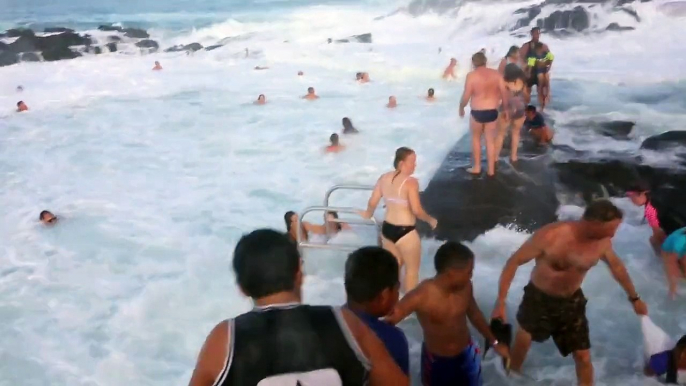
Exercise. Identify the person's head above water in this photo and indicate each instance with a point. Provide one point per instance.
(513, 52)
(639, 194)
(348, 125)
(334, 139)
(331, 218)
(47, 218)
(430, 92)
(453, 61)
(291, 219)
(21, 106)
(261, 98)
(310, 90)
(454, 264)
(601, 220)
(405, 160)
(530, 111)
(20, 88)
(267, 264)
(535, 34)
(371, 281)
(478, 59)
(300, 73)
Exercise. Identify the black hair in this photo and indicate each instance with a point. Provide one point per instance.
(334, 214)
(287, 218)
(452, 255)
(369, 271)
(479, 59)
(512, 50)
(266, 262)
(19, 103)
(602, 211)
(43, 214)
(531, 108)
(536, 29)
(348, 125)
(400, 154)
(681, 344)
(513, 72)
(431, 92)
(334, 139)
(310, 89)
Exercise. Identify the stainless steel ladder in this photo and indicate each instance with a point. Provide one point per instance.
(326, 209)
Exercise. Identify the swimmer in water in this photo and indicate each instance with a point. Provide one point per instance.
(311, 95)
(261, 68)
(21, 106)
(157, 67)
(20, 88)
(300, 73)
(392, 102)
(261, 100)
(537, 126)
(362, 77)
(348, 127)
(449, 72)
(443, 304)
(47, 218)
(291, 220)
(430, 95)
(335, 145)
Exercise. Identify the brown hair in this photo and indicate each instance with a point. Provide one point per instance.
(401, 154)
(602, 211)
(479, 59)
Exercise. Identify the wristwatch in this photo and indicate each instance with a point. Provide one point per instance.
(634, 299)
(495, 343)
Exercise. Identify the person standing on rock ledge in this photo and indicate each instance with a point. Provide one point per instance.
(486, 89)
(553, 304)
(526, 52)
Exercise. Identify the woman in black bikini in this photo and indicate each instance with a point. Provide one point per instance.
(400, 191)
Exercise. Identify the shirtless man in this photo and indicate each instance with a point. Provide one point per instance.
(21, 106)
(527, 52)
(392, 102)
(311, 95)
(335, 145)
(157, 67)
(553, 303)
(362, 77)
(261, 99)
(449, 72)
(430, 95)
(443, 304)
(486, 89)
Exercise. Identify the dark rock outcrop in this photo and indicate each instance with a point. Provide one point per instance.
(111, 46)
(57, 29)
(467, 207)
(59, 53)
(53, 47)
(667, 140)
(617, 27)
(363, 38)
(531, 14)
(114, 38)
(19, 32)
(7, 57)
(615, 129)
(30, 57)
(577, 19)
(136, 33)
(151, 45)
(188, 47)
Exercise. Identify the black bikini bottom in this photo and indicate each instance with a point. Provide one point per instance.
(395, 232)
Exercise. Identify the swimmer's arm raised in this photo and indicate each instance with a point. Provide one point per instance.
(384, 370)
(212, 356)
(618, 270)
(531, 249)
(468, 90)
(373, 201)
(416, 204)
(407, 305)
(476, 317)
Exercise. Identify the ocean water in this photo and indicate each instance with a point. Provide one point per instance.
(157, 175)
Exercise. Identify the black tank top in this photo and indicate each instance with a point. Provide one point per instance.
(289, 344)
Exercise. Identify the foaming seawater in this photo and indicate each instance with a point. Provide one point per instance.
(156, 176)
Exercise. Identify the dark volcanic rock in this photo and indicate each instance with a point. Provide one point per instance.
(57, 29)
(109, 28)
(617, 27)
(214, 47)
(30, 57)
(616, 129)
(531, 14)
(24, 44)
(577, 19)
(188, 47)
(7, 58)
(466, 207)
(363, 38)
(114, 38)
(630, 12)
(135, 33)
(59, 53)
(97, 50)
(667, 140)
(151, 45)
(17, 32)
(111, 46)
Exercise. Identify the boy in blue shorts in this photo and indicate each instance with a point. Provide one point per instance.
(443, 304)
(674, 256)
(671, 364)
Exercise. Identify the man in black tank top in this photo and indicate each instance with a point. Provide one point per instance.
(282, 342)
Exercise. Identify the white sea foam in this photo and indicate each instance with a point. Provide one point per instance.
(158, 174)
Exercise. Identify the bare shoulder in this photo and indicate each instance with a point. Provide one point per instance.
(553, 230)
(412, 182)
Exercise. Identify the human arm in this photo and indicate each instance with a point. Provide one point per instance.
(407, 305)
(621, 275)
(415, 203)
(384, 370)
(373, 201)
(501, 66)
(476, 317)
(212, 356)
(531, 249)
(466, 94)
(672, 271)
(313, 228)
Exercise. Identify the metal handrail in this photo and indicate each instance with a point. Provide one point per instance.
(326, 209)
(334, 188)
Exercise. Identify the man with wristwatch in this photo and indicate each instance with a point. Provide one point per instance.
(553, 304)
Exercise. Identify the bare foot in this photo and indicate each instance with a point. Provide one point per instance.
(474, 171)
(513, 160)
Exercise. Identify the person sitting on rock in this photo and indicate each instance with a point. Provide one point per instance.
(157, 67)
(537, 127)
(21, 106)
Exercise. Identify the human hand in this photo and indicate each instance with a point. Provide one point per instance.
(502, 350)
(364, 214)
(434, 223)
(640, 307)
(499, 311)
(461, 112)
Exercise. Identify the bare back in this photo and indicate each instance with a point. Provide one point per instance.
(486, 88)
(395, 194)
(443, 317)
(562, 266)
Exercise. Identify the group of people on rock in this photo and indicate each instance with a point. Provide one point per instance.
(282, 340)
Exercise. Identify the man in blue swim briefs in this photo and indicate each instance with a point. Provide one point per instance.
(674, 256)
(443, 304)
(372, 289)
(486, 90)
